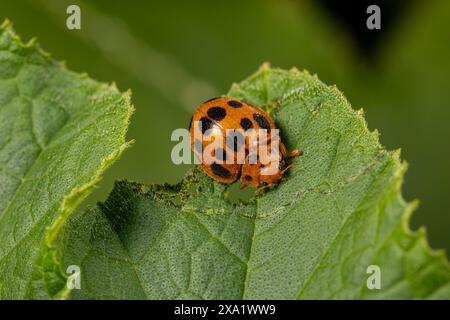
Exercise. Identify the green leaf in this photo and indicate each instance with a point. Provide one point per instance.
(58, 132)
(337, 212)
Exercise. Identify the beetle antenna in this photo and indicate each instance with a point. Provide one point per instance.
(289, 166)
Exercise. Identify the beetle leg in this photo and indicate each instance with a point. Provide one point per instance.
(294, 153)
(262, 188)
(287, 154)
(242, 186)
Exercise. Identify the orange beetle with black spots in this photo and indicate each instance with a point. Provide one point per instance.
(212, 119)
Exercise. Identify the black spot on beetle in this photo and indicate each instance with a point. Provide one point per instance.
(235, 140)
(220, 171)
(262, 121)
(246, 124)
(234, 104)
(205, 124)
(216, 113)
(248, 178)
(221, 154)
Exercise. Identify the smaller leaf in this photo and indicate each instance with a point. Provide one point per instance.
(58, 132)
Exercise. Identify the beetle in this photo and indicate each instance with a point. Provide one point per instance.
(210, 123)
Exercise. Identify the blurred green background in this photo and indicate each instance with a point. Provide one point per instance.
(173, 55)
